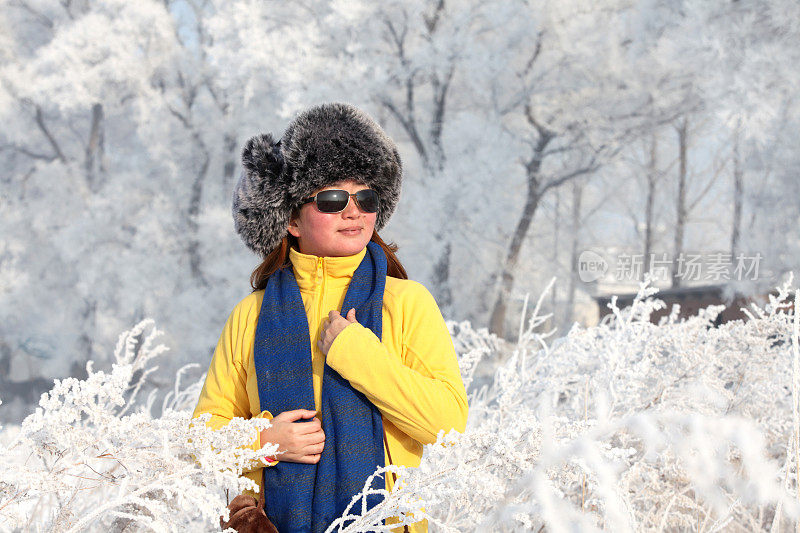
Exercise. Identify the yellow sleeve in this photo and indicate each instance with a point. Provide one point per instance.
(224, 393)
(422, 392)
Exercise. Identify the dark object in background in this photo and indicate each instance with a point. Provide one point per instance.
(691, 300)
(247, 515)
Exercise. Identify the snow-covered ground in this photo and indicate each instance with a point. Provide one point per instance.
(625, 426)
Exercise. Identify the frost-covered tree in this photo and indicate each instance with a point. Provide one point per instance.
(574, 107)
(125, 122)
(473, 88)
(416, 65)
(72, 210)
(123, 125)
(753, 41)
(696, 179)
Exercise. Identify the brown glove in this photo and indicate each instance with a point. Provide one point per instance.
(247, 515)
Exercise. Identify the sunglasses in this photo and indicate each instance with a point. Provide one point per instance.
(336, 200)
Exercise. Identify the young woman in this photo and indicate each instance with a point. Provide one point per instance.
(350, 360)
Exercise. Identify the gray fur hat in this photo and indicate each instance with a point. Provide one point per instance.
(322, 146)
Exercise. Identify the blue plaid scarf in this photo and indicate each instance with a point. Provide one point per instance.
(306, 498)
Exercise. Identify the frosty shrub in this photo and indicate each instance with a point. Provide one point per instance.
(626, 426)
(91, 458)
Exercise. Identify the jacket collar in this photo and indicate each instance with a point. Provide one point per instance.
(310, 270)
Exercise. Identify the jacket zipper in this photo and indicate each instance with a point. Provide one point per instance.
(320, 292)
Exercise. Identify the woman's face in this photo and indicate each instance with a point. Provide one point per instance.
(333, 234)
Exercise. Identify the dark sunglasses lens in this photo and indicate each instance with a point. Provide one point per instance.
(332, 201)
(367, 200)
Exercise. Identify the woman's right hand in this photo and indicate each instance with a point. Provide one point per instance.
(301, 442)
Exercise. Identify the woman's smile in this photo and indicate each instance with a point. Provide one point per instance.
(352, 231)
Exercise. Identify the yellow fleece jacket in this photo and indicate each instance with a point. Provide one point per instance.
(411, 374)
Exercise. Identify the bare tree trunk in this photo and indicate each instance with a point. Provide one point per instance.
(441, 278)
(680, 222)
(441, 268)
(498, 317)
(738, 194)
(95, 149)
(195, 196)
(440, 89)
(193, 239)
(49, 136)
(5, 361)
(229, 144)
(652, 177)
(428, 145)
(532, 198)
(85, 342)
(577, 197)
(534, 193)
(554, 254)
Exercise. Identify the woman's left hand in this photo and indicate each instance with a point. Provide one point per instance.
(331, 328)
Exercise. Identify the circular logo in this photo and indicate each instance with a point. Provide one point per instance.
(591, 266)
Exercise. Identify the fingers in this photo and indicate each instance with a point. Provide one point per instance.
(314, 449)
(309, 439)
(310, 446)
(305, 428)
(334, 314)
(296, 414)
(299, 458)
(309, 453)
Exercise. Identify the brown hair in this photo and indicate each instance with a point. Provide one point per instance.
(279, 257)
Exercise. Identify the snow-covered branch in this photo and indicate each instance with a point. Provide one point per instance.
(79, 462)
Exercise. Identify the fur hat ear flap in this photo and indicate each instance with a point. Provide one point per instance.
(262, 156)
(260, 204)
